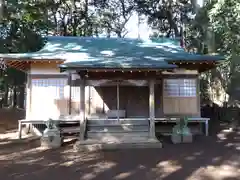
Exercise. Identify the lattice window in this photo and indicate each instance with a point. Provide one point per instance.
(187, 88)
(180, 88)
(171, 87)
(55, 86)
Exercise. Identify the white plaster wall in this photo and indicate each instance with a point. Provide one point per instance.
(42, 103)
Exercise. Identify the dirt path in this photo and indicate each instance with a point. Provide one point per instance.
(212, 158)
(205, 159)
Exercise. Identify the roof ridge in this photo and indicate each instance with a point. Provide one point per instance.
(156, 40)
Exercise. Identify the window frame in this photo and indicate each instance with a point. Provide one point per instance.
(58, 85)
(187, 85)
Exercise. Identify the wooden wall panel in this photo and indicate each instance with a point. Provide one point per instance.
(188, 105)
(170, 105)
(135, 100)
(177, 104)
(180, 106)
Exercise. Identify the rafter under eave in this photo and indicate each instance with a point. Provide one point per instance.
(24, 65)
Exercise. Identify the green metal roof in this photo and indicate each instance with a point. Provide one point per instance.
(92, 52)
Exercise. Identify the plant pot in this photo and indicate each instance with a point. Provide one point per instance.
(187, 138)
(51, 138)
(176, 138)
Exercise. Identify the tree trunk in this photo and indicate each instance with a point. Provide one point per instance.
(15, 96)
(86, 18)
(172, 23)
(21, 97)
(2, 7)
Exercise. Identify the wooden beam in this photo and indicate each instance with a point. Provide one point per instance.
(24, 64)
(123, 75)
(19, 65)
(200, 66)
(9, 63)
(46, 76)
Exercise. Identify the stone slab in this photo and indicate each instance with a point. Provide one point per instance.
(96, 145)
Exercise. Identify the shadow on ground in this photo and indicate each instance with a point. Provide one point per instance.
(206, 159)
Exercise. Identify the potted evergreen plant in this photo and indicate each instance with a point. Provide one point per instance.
(177, 132)
(181, 132)
(186, 133)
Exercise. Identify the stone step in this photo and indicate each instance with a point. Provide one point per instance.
(128, 143)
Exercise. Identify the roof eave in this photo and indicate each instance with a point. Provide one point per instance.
(155, 68)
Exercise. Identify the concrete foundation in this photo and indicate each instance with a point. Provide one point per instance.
(51, 138)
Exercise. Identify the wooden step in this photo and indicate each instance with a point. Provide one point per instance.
(124, 127)
(116, 131)
(129, 143)
(116, 135)
(116, 122)
(70, 129)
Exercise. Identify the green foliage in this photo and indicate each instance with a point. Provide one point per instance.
(21, 28)
(25, 22)
(181, 127)
(225, 19)
(166, 17)
(214, 28)
(114, 14)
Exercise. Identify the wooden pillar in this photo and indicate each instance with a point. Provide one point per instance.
(118, 101)
(70, 94)
(82, 109)
(198, 95)
(152, 108)
(28, 96)
(28, 104)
